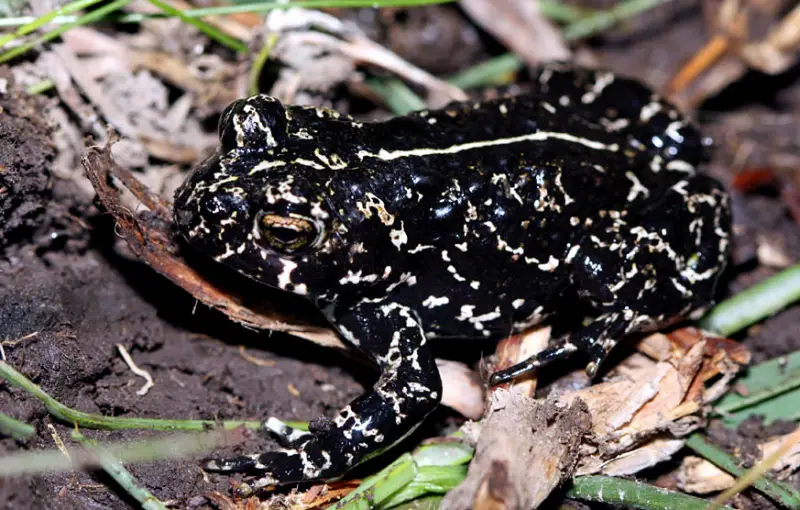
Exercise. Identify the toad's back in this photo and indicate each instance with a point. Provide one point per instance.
(484, 201)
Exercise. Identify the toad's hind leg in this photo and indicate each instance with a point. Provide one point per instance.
(409, 388)
(646, 270)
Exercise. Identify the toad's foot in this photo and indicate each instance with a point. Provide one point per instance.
(409, 388)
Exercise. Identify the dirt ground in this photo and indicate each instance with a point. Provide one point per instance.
(70, 292)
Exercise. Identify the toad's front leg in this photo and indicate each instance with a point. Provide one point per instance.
(408, 389)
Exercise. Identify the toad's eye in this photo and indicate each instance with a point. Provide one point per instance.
(288, 233)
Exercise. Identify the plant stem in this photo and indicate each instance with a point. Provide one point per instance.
(755, 303)
(15, 428)
(96, 421)
(629, 493)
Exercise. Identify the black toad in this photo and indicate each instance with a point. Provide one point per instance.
(468, 221)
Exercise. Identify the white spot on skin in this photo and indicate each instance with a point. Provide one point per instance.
(433, 301)
(475, 284)
(486, 317)
(649, 110)
(285, 278)
(680, 166)
(399, 237)
(571, 253)
(356, 278)
(228, 252)
(466, 312)
(421, 247)
(636, 188)
(445, 256)
(455, 274)
(462, 246)
(308, 162)
(334, 162)
(375, 204)
(550, 265)
(550, 108)
(502, 245)
(472, 212)
(517, 303)
(614, 125)
(603, 80)
(265, 165)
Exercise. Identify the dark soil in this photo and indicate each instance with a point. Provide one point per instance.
(71, 291)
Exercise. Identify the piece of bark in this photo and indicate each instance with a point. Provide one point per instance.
(525, 449)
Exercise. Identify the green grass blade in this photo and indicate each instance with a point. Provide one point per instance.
(443, 454)
(96, 421)
(491, 72)
(428, 481)
(37, 23)
(309, 4)
(755, 303)
(54, 461)
(772, 390)
(378, 488)
(629, 493)
(211, 32)
(91, 17)
(259, 63)
(396, 95)
(603, 20)
(14, 428)
(122, 476)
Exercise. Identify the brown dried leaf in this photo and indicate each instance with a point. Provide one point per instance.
(698, 476)
(462, 388)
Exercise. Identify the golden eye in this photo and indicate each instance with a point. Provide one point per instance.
(288, 234)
